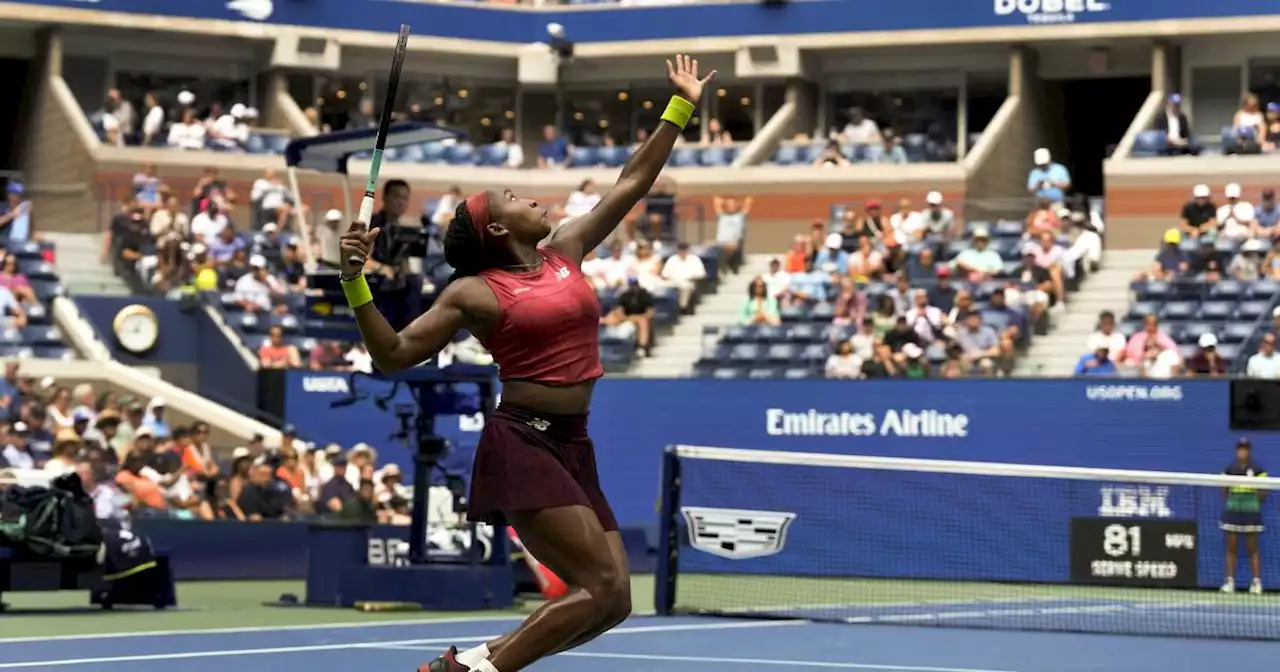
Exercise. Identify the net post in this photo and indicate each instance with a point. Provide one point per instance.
(668, 534)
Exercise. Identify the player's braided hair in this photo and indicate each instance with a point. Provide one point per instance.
(462, 247)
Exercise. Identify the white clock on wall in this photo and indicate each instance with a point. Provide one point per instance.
(136, 328)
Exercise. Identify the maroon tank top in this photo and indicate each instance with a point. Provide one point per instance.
(549, 330)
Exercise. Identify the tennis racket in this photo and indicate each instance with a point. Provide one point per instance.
(384, 123)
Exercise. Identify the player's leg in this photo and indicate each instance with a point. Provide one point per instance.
(1229, 584)
(1255, 561)
(571, 541)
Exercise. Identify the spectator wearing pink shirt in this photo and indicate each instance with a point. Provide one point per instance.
(1135, 350)
(13, 280)
(1049, 256)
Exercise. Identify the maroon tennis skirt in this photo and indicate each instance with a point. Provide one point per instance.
(528, 461)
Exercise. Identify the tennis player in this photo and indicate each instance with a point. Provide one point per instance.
(1242, 517)
(535, 466)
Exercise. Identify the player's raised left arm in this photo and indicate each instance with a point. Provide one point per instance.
(584, 233)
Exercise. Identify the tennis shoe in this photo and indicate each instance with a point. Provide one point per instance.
(447, 662)
(1255, 588)
(1229, 586)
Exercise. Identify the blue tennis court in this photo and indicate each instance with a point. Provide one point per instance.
(642, 644)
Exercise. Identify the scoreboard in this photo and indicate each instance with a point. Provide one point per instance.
(1134, 552)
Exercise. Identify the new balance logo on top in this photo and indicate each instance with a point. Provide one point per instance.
(737, 534)
(562, 273)
(538, 424)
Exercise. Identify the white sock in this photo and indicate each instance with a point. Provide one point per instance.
(472, 657)
(483, 666)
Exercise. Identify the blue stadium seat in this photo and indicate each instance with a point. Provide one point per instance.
(767, 334)
(815, 352)
(726, 374)
(781, 353)
(46, 289)
(1152, 290)
(733, 334)
(583, 156)
(787, 155)
(1229, 351)
(794, 373)
(612, 157)
(1263, 289)
(275, 143)
(1150, 143)
(1251, 310)
(1140, 309)
(412, 154)
(803, 333)
(718, 156)
(434, 152)
(761, 373)
(255, 144)
(41, 336)
(684, 157)
(1129, 327)
(1192, 331)
(246, 322)
(462, 154)
(37, 314)
(37, 269)
(493, 155)
(792, 313)
(1236, 332)
(745, 352)
(915, 145)
(1215, 311)
(1008, 228)
(822, 312)
(1226, 289)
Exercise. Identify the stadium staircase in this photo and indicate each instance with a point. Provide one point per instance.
(1057, 353)
(81, 268)
(675, 353)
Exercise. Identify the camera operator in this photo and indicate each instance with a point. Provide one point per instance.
(397, 255)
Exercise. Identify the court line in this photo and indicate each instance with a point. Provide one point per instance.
(396, 644)
(779, 663)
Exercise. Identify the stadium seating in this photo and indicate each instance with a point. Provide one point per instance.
(39, 339)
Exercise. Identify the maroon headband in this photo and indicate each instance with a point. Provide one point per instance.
(478, 208)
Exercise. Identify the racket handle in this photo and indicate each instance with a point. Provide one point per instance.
(366, 214)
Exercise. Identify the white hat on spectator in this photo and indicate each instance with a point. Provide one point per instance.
(933, 198)
(1200, 191)
(981, 232)
(1041, 157)
(389, 470)
(258, 261)
(156, 402)
(1208, 341)
(912, 351)
(270, 227)
(334, 215)
(250, 113)
(1232, 190)
(240, 452)
(197, 250)
(47, 382)
(1253, 245)
(362, 448)
(186, 98)
(1276, 312)
(238, 110)
(144, 430)
(835, 240)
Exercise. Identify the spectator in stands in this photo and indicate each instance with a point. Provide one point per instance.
(188, 133)
(900, 292)
(12, 279)
(759, 308)
(914, 365)
(979, 262)
(389, 484)
(508, 146)
(634, 315)
(832, 259)
(170, 224)
(731, 228)
(271, 200)
(1204, 262)
(1266, 362)
(927, 321)
(716, 135)
(229, 131)
(1236, 217)
(209, 222)
(800, 254)
(808, 286)
(257, 290)
(15, 213)
(1048, 179)
(777, 280)
(145, 494)
(1107, 336)
(861, 129)
(1267, 215)
(889, 150)
(337, 490)
(291, 473)
(1176, 127)
(1043, 219)
(865, 263)
(1049, 256)
(583, 200)
(956, 365)
(684, 271)
(1199, 215)
(1207, 361)
(66, 446)
(59, 409)
(1149, 335)
(981, 343)
(844, 363)
(646, 266)
(923, 265)
(120, 108)
(907, 223)
(882, 363)
(553, 151)
(146, 187)
(850, 304)
(901, 334)
(1035, 290)
(611, 272)
(105, 431)
(1247, 265)
(225, 245)
(327, 356)
(154, 418)
(361, 508)
(885, 315)
(1171, 261)
(16, 454)
(1272, 124)
(153, 122)
(269, 244)
(276, 353)
(263, 497)
(938, 219)
(213, 188)
(1096, 363)
(1160, 363)
(831, 156)
(943, 293)
(1249, 128)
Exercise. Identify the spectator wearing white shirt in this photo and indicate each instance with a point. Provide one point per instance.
(1266, 362)
(907, 223)
(1107, 337)
(229, 131)
(684, 270)
(1160, 363)
(582, 200)
(937, 219)
(861, 129)
(256, 289)
(122, 110)
(209, 222)
(270, 197)
(447, 206)
(613, 270)
(153, 123)
(109, 503)
(188, 133)
(1236, 217)
(777, 280)
(927, 321)
(359, 358)
(844, 363)
(515, 153)
(66, 445)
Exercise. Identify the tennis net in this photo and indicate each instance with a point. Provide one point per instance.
(858, 539)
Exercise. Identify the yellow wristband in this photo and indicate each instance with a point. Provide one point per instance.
(357, 292)
(678, 111)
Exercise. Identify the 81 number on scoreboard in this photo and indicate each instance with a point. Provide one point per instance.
(1135, 552)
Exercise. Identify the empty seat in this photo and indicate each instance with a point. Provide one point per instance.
(1215, 310)
(1237, 332)
(583, 156)
(1140, 309)
(1251, 310)
(1226, 289)
(1150, 143)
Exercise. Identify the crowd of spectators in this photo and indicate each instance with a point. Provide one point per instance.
(1254, 129)
(184, 123)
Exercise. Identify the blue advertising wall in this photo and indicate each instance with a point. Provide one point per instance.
(602, 24)
(1114, 424)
